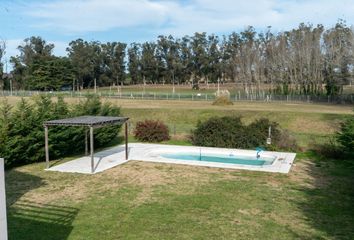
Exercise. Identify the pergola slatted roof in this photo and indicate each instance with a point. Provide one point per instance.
(89, 121)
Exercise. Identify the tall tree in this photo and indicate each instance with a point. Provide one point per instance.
(81, 55)
(2, 53)
(134, 64)
(36, 68)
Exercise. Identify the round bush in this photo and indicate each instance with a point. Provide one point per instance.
(230, 132)
(257, 132)
(151, 131)
(225, 132)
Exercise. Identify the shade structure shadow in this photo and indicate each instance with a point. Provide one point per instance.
(19, 183)
(31, 220)
(103, 160)
(107, 153)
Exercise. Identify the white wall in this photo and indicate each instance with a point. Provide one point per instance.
(3, 222)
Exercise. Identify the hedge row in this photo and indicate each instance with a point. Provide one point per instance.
(22, 133)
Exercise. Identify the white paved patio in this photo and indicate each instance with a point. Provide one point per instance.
(152, 153)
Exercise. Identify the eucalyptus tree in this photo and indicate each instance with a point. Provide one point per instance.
(81, 55)
(338, 43)
(186, 59)
(118, 62)
(34, 48)
(231, 56)
(213, 67)
(198, 46)
(2, 53)
(134, 65)
(169, 50)
(36, 68)
(113, 63)
(149, 64)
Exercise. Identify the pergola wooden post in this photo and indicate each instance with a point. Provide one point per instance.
(91, 122)
(126, 140)
(86, 143)
(91, 151)
(46, 146)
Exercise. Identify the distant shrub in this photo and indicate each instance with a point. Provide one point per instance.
(151, 131)
(222, 101)
(230, 132)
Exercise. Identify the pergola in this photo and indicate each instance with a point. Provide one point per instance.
(90, 122)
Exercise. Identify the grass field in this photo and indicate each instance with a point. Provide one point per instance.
(161, 201)
(140, 200)
(308, 123)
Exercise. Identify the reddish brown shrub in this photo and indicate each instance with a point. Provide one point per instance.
(151, 131)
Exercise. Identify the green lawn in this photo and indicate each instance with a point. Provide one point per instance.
(161, 201)
(140, 200)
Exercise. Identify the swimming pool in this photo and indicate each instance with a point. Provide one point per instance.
(221, 158)
(269, 161)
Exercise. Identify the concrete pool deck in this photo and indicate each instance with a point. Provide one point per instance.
(152, 153)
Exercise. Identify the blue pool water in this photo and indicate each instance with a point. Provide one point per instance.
(233, 159)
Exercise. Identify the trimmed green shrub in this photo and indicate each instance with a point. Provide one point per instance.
(257, 133)
(230, 132)
(22, 133)
(225, 132)
(151, 131)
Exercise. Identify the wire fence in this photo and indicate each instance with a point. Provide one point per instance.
(235, 97)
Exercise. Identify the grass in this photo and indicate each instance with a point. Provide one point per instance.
(308, 123)
(307, 127)
(140, 200)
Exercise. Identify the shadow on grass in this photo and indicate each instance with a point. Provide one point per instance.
(19, 183)
(30, 220)
(329, 201)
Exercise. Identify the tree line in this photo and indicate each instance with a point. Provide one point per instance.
(305, 60)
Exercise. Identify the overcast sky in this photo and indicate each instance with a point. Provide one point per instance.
(60, 21)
